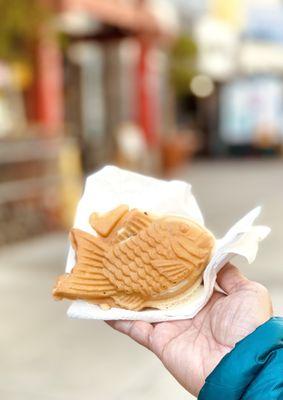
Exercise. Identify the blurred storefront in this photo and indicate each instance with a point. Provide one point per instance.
(240, 92)
(116, 68)
(90, 88)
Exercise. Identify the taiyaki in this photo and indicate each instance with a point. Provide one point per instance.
(137, 260)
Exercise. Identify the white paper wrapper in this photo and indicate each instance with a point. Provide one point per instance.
(111, 187)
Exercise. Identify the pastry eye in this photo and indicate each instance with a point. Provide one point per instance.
(184, 228)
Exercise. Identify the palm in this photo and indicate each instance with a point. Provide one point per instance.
(190, 349)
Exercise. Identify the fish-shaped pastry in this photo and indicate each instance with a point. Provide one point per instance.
(137, 260)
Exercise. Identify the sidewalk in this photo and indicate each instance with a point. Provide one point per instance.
(45, 356)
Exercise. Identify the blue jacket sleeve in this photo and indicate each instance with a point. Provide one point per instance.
(253, 370)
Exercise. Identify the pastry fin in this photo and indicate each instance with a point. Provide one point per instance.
(186, 249)
(88, 246)
(104, 223)
(131, 301)
(75, 287)
(134, 223)
(86, 281)
(172, 269)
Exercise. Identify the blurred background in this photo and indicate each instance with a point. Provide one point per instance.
(187, 89)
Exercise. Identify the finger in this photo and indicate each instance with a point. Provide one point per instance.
(230, 278)
(139, 331)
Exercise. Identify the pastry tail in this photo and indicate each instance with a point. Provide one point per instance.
(87, 280)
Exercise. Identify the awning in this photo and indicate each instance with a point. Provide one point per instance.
(125, 14)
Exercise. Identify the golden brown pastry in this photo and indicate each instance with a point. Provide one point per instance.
(137, 260)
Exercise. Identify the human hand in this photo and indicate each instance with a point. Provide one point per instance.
(191, 349)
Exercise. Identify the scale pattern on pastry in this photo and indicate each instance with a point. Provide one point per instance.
(136, 260)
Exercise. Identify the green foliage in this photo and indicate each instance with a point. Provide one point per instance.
(63, 40)
(20, 22)
(183, 63)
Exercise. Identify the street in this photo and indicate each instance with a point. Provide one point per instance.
(46, 356)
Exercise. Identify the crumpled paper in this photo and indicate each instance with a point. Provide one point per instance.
(112, 186)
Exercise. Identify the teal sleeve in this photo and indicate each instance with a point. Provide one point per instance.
(253, 370)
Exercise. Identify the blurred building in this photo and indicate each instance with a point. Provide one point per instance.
(116, 73)
(235, 94)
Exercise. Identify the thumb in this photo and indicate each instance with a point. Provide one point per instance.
(230, 278)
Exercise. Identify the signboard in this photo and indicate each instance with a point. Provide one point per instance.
(217, 44)
(231, 11)
(261, 57)
(251, 107)
(265, 22)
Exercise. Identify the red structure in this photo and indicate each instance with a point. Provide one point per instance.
(48, 86)
(146, 96)
(133, 18)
